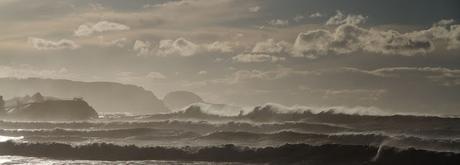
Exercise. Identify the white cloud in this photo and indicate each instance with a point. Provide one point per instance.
(156, 75)
(270, 46)
(119, 42)
(454, 39)
(26, 71)
(278, 22)
(167, 47)
(362, 94)
(316, 15)
(42, 44)
(254, 9)
(265, 51)
(278, 73)
(180, 47)
(398, 71)
(340, 18)
(223, 47)
(348, 38)
(444, 76)
(102, 26)
(251, 58)
(136, 78)
(312, 43)
(298, 18)
(142, 47)
(445, 22)
(442, 30)
(203, 72)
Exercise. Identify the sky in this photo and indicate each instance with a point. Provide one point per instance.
(393, 55)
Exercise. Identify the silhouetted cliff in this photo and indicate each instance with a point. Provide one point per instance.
(181, 99)
(103, 96)
(76, 109)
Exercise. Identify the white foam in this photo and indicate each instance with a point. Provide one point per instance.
(6, 138)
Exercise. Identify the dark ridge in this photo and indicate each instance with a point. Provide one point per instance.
(103, 96)
(191, 112)
(287, 154)
(49, 110)
(181, 99)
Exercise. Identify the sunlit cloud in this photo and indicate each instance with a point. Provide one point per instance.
(88, 29)
(42, 44)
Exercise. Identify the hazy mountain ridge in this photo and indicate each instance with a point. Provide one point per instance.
(103, 96)
(52, 110)
(180, 99)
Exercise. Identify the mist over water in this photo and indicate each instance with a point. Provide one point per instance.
(230, 82)
(268, 129)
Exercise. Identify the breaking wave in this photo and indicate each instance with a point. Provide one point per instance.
(372, 139)
(196, 126)
(289, 153)
(263, 130)
(107, 133)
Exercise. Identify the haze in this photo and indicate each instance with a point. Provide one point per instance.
(397, 57)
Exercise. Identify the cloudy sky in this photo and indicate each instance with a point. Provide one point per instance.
(398, 56)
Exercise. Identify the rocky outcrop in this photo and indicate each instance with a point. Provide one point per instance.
(53, 110)
(181, 99)
(103, 96)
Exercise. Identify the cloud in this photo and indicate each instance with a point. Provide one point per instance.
(340, 18)
(203, 72)
(221, 46)
(362, 94)
(278, 22)
(42, 44)
(119, 42)
(102, 26)
(142, 47)
(251, 58)
(275, 74)
(312, 43)
(454, 37)
(348, 38)
(27, 71)
(137, 78)
(254, 9)
(298, 18)
(445, 22)
(443, 76)
(270, 46)
(265, 51)
(180, 47)
(316, 15)
(156, 75)
(442, 30)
